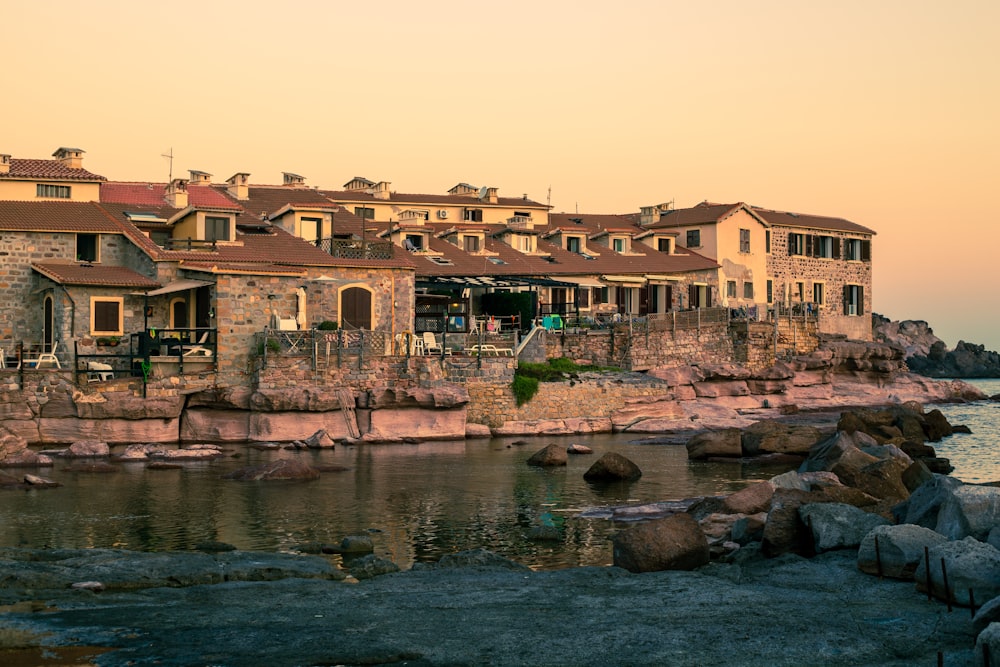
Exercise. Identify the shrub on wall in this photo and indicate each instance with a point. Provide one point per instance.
(524, 388)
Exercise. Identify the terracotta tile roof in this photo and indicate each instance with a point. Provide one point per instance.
(154, 194)
(47, 170)
(97, 275)
(701, 214)
(253, 268)
(425, 200)
(55, 216)
(787, 219)
(588, 222)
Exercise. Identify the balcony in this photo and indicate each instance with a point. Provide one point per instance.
(356, 249)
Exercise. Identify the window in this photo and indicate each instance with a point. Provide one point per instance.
(309, 229)
(694, 238)
(854, 300)
(473, 215)
(770, 291)
(857, 250)
(216, 229)
(826, 246)
(767, 241)
(52, 191)
(582, 297)
(471, 243)
(106, 315)
(618, 245)
(796, 244)
(414, 242)
(364, 212)
(86, 247)
(600, 294)
(731, 289)
(745, 240)
(573, 243)
(818, 293)
(748, 290)
(663, 245)
(523, 243)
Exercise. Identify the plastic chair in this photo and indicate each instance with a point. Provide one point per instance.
(430, 343)
(45, 358)
(198, 350)
(98, 372)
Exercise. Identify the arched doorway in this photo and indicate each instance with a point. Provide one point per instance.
(178, 314)
(356, 308)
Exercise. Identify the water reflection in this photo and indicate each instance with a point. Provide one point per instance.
(418, 502)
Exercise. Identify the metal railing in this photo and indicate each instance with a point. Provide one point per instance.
(356, 249)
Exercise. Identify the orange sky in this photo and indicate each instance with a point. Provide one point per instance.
(882, 112)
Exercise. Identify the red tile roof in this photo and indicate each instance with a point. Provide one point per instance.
(425, 200)
(97, 275)
(154, 194)
(55, 216)
(786, 219)
(53, 170)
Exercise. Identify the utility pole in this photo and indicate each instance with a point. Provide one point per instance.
(170, 177)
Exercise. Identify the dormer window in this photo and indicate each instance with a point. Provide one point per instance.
(473, 215)
(664, 245)
(216, 228)
(618, 244)
(470, 243)
(87, 247)
(573, 244)
(523, 242)
(413, 242)
(310, 229)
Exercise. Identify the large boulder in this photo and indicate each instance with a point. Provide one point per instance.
(969, 510)
(677, 375)
(550, 455)
(673, 543)
(771, 436)
(707, 444)
(612, 467)
(837, 525)
(987, 643)
(988, 613)
(752, 499)
(924, 504)
(87, 449)
(286, 469)
(969, 565)
(11, 444)
(937, 426)
(842, 448)
(320, 440)
(784, 531)
(881, 479)
(900, 549)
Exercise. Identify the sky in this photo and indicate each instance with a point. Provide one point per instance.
(883, 112)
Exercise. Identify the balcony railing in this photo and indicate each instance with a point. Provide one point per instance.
(356, 249)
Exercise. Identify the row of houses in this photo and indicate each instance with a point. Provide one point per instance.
(212, 263)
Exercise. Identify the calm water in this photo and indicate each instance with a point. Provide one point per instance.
(418, 502)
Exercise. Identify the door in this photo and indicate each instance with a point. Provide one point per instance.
(203, 307)
(356, 308)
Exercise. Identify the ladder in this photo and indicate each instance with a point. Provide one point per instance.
(347, 405)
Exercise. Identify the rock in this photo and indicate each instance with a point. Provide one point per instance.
(988, 613)
(770, 436)
(987, 643)
(882, 479)
(320, 440)
(924, 504)
(477, 431)
(838, 526)
(11, 444)
(371, 566)
(25, 458)
(40, 482)
(193, 453)
(840, 448)
(937, 426)
(725, 443)
(748, 529)
(550, 455)
(916, 475)
(215, 425)
(969, 510)
(432, 423)
(725, 371)
(221, 398)
(94, 586)
(752, 499)
(278, 469)
(971, 565)
(138, 452)
(673, 543)
(677, 375)
(612, 467)
(790, 480)
(784, 531)
(129, 408)
(356, 544)
(87, 448)
(440, 397)
(577, 449)
(900, 550)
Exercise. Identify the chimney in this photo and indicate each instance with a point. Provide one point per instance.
(200, 177)
(4, 163)
(293, 180)
(648, 215)
(71, 158)
(238, 186)
(491, 195)
(381, 190)
(177, 194)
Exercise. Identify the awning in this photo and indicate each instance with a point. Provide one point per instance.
(582, 282)
(489, 281)
(178, 286)
(654, 279)
(625, 280)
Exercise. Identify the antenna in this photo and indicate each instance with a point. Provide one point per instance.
(170, 178)
(548, 199)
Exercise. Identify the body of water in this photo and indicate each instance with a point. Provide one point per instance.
(417, 502)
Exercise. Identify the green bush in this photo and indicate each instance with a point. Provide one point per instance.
(328, 325)
(273, 345)
(524, 388)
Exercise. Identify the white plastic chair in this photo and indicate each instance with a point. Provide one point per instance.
(197, 350)
(98, 372)
(44, 358)
(430, 343)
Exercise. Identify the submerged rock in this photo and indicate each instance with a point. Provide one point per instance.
(612, 467)
(286, 469)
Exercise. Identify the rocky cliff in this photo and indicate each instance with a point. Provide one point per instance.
(928, 355)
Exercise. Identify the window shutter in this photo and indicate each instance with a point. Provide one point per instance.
(692, 296)
(861, 300)
(708, 296)
(810, 245)
(847, 299)
(791, 244)
(670, 298)
(866, 251)
(836, 248)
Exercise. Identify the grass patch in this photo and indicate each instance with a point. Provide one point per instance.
(524, 388)
(528, 375)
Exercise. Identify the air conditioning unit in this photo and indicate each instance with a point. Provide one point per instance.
(443, 214)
